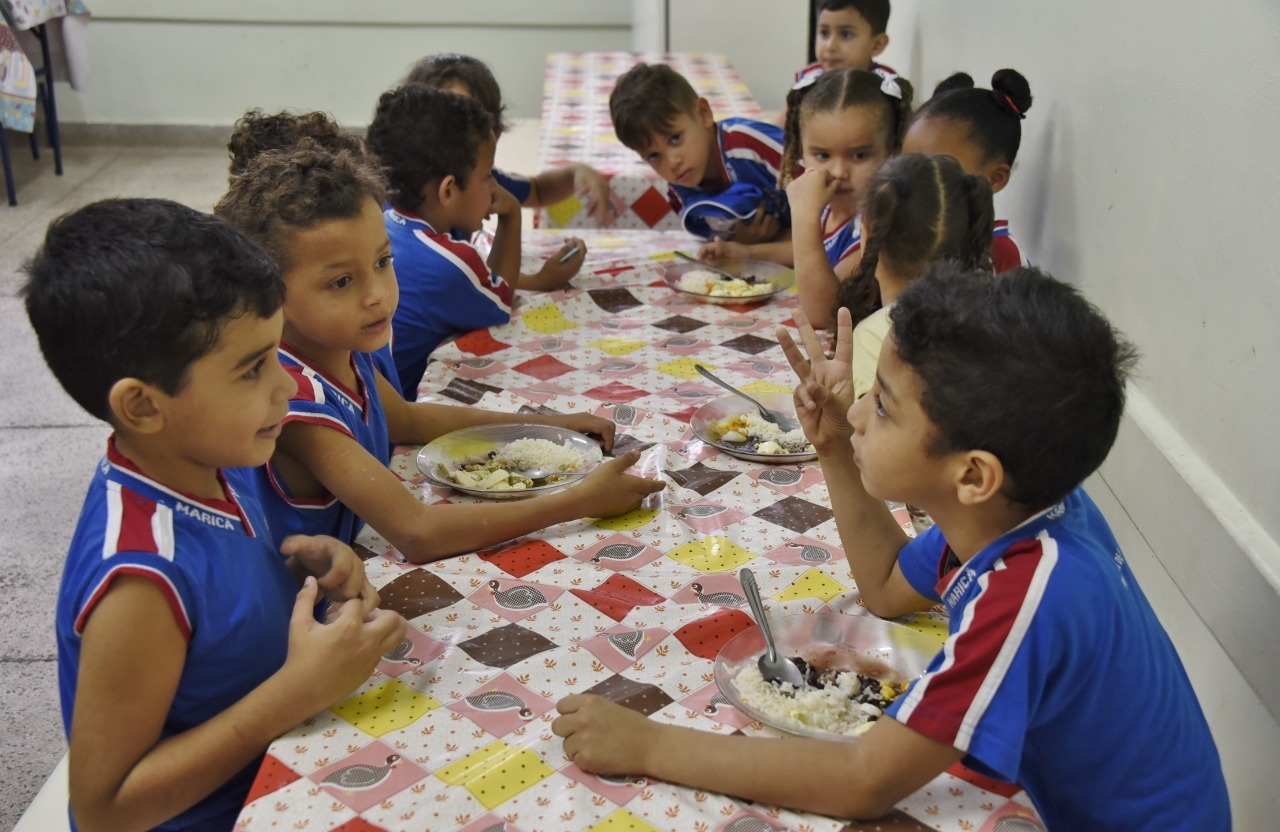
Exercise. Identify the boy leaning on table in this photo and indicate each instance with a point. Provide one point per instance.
(184, 643)
(994, 398)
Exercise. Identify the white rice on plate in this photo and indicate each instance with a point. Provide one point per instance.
(768, 437)
(829, 707)
(494, 472)
(703, 282)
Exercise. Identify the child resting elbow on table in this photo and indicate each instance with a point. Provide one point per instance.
(1056, 674)
(319, 214)
(184, 643)
(465, 75)
(722, 177)
(982, 129)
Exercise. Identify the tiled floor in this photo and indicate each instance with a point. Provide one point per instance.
(50, 445)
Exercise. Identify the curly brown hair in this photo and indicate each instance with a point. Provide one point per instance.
(283, 192)
(439, 71)
(257, 132)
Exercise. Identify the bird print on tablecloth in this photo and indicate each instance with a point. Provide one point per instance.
(751, 823)
(519, 597)
(400, 653)
(714, 703)
(623, 414)
(360, 776)
(617, 551)
(700, 511)
(810, 553)
(782, 476)
(499, 700)
(550, 344)
(623, 779)
(476, 363)
(726, 599)
(618, 367)
(626, 643)
(500, 826)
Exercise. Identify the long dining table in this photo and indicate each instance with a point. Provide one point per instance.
(452, 732)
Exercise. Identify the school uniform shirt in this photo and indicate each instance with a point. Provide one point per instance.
(445, 290)
(815, 69)
(1057, 676)
(840, 242)
(226, 582)
(1006, 254)
(518, 186)
(325, 402)
(749, 154)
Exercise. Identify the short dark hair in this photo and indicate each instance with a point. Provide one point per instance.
(875, 11)
(646, 100)
(1019, 365)
(918, 208)
(994, 117)
(422, 135)
(140, 288)
(286, 191)
(439, 70)
(257, 132)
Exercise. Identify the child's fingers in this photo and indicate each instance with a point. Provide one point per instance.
(571, 704)
(305, 604)
(809, 338)
(794, 356)
(844, 336)
(622, 463)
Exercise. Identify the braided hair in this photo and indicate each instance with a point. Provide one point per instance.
(919, 208)
(994, 117)
(837, 90)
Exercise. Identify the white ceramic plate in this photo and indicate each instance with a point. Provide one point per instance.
(473, 444)
(779, 277)
(905, 651)
(704, 419)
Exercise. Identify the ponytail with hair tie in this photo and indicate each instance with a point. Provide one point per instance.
(982, 218)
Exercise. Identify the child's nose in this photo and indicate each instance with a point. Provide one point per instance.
(855, 414)
(284, 385)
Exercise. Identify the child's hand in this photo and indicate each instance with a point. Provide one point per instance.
(592, 188)
(809, 193)
(328, 661)
(723, 250)
(337, 569)
(825, 391)
(762, 227)
(602, 737)
(609, 491)
(589, 424)
(503, 204)
(555, 274)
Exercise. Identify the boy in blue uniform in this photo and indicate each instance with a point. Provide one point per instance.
(722, 177)
(184, 643)
(320, 215)
(994, 398)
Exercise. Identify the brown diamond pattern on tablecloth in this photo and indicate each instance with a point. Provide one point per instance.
(750, 344)
(614, 300)
(544, 367)
(626, 442)
(467, 391)
(418, 592)
(363, 552)
(638, 696)
(700, 478)
(796, 514)
(505, 646)
(680, 323)
(895, 821)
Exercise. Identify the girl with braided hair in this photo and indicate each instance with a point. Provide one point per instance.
(982, 129)
(843, 126)
(918, 208)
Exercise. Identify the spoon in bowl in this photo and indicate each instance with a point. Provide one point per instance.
(541, 474)
(773, 668)
(782, 420)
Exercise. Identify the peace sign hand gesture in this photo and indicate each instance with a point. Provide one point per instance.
(825, 391)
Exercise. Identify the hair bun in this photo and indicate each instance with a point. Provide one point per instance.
(958, 81)
(1012, 91)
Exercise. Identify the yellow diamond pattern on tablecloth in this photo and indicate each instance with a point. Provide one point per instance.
(712, 554)
(496, 772)
(615, 345)
(622, 821)
(547, 320)
(683, 367)
(762, 386)
(563, 211)
(812, 584)
(385, 708)
(630, 521)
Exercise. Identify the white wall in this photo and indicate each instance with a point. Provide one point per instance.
(204, 62)
(1148, 178)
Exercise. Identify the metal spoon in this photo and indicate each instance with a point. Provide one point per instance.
(782, 420)
(711, 268)
(540, 474)
(773, 668)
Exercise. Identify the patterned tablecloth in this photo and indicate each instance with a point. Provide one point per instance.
(576, 128)
(452, 732)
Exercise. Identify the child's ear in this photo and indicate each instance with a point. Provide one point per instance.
(446, 190)
(135, 407)
(878, 44)
(705, 116)
(998, 175)
(981, 479)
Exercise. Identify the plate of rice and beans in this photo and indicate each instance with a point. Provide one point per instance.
(756, 281)
(484, 461)
(731, 424)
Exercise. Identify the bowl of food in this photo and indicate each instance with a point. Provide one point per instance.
(755, 281)
(731, 424)
(486, 460)
(855, 667)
